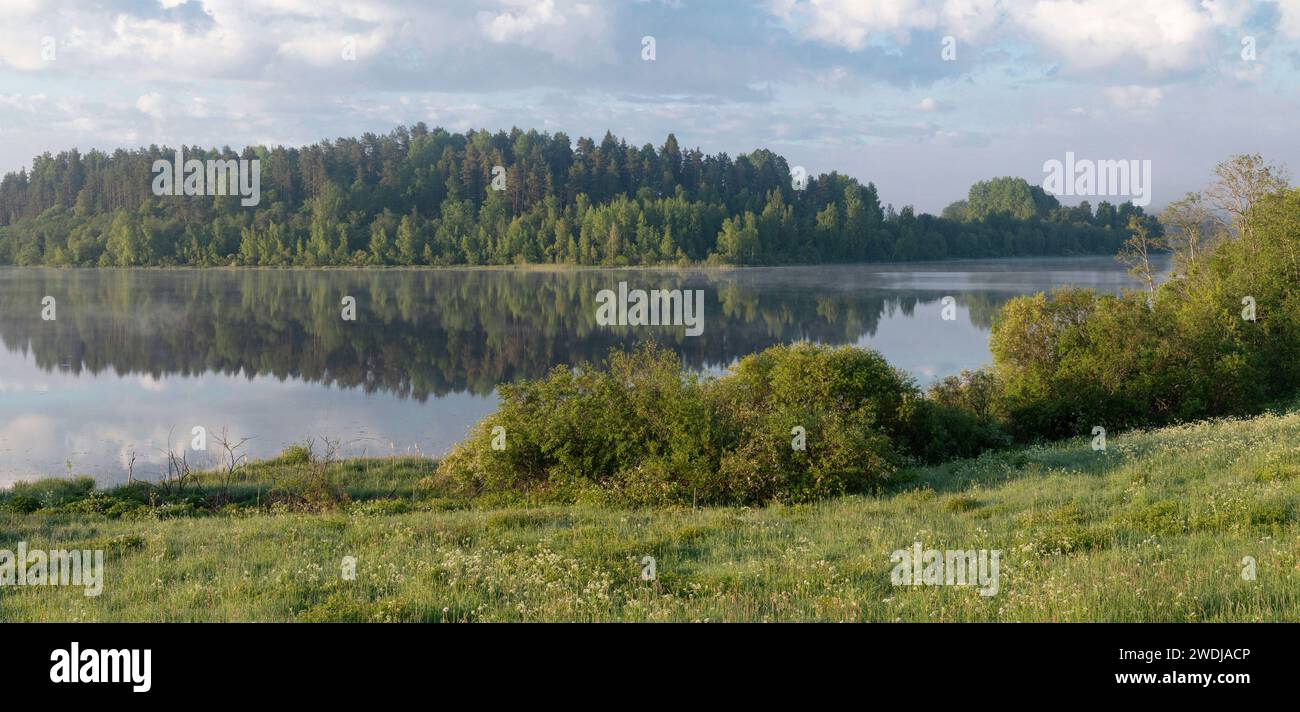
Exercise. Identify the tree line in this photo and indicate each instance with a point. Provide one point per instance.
(420, 196)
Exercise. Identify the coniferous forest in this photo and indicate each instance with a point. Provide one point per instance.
(420, 196)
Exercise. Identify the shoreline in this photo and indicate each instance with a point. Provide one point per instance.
(541, 267)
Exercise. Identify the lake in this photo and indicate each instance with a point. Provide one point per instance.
(135, 359)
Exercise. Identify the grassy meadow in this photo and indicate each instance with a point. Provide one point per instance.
(1155, 528)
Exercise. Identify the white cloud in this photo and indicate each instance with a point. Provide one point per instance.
(199, 108)
(26, 103)
(19, 8)
(326, 47)
(1289, 22)
(1229, 13)
(970, 18)
(244, 38)
(522, 20)
(849, 23)
(151, 104)
(1157, 36)
(566, 29)
(1134, 97)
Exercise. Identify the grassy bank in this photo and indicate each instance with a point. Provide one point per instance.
(1155, 528)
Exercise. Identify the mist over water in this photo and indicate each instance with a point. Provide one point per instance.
(137, 358)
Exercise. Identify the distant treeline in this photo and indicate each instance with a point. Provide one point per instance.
(426, 197)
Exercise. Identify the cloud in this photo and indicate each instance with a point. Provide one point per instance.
(849, 23)
(256, 39)
(520, 22)
(571, 31)
(26, 103)
(1289, 20)
(151, 104)
(1135, 98)
(1157, 36)
(927, 104)
(967, 19)
(1227, 12)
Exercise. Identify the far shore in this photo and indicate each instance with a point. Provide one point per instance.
(547, 267)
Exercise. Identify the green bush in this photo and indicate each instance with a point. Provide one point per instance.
(935, 431)
(380, 507)
(1078, 359)
(93, 504)
(642, 430)
(589, 426)
(54, 491)
(177, 510)
(849, 402)
(295, 455)
(20, 504)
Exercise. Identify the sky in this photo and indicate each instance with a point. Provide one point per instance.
(921, 97)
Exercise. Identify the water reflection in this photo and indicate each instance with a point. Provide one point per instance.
(134, 355)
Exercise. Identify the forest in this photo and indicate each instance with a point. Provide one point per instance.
(420, 196)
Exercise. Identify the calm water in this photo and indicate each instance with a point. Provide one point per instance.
(134, 356)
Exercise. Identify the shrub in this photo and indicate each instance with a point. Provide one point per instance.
(1076, 359)
(589, 426)
(961, 503)
(642, 430)
(935, 431)
(295, 455)
(380, 507)
(54, 491)
(177, 510)
(849, 402)
(20, 504)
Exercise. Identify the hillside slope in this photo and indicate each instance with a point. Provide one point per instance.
(1155, 528)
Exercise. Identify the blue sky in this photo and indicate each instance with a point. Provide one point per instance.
(859, 86)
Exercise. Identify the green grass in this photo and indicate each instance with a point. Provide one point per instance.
(1153, 529)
